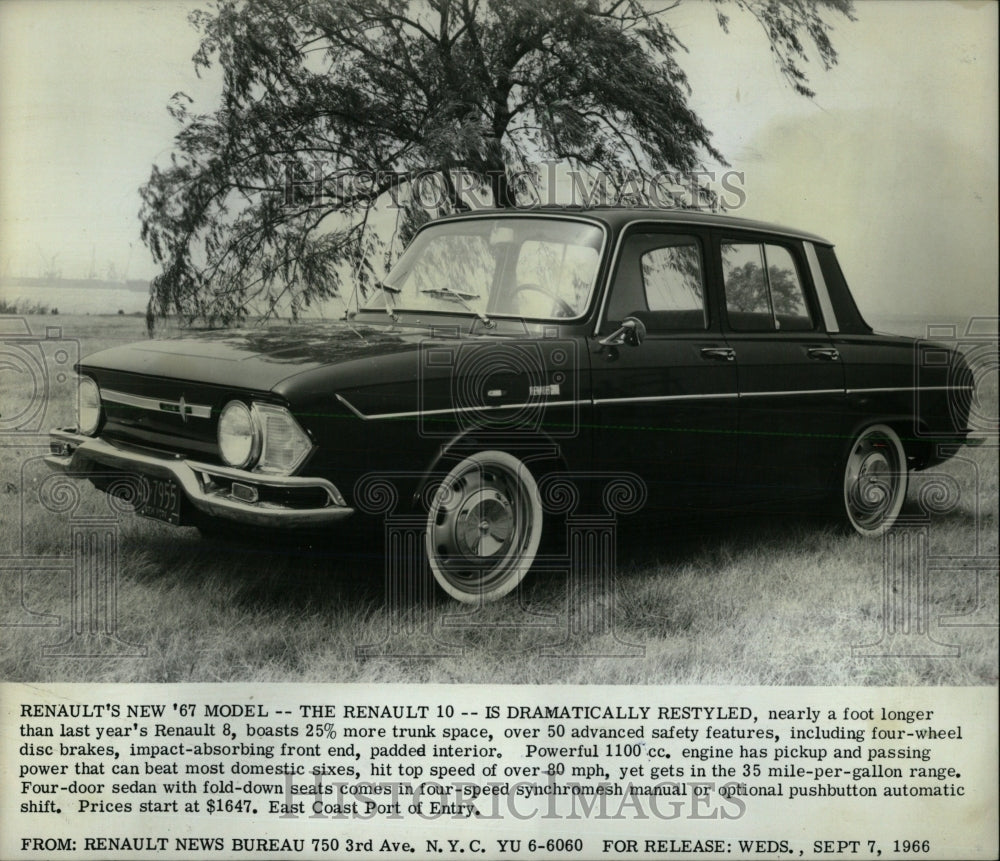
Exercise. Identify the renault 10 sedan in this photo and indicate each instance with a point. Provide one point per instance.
(722, 361)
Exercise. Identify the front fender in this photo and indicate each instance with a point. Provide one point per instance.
(535, 449)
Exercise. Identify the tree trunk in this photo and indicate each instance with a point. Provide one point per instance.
(503, 198)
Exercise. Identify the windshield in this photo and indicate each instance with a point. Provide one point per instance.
(539, 268)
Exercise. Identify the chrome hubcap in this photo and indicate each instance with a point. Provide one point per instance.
(480, 527)
(872, 480)
(485, 524)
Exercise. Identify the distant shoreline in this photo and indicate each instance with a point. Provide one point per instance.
(135, 285)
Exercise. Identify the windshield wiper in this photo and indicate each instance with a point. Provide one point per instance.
(462, 298)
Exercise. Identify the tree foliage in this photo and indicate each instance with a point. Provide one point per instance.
(330, 106)
(747, 290)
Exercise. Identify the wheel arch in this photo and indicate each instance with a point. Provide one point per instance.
(907, 427)
(539, 452)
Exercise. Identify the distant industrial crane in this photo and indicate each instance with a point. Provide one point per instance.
(49, 270)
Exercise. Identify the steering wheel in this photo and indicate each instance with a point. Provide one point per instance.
(564, 308)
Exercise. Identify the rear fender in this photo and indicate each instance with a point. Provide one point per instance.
(911, 433)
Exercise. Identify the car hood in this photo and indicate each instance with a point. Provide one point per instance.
(257, 359)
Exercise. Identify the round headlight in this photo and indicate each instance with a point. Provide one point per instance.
(89, 417)
(239, 436)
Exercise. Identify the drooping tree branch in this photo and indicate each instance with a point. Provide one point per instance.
(331, 109)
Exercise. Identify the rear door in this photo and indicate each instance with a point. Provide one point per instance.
(790, 376)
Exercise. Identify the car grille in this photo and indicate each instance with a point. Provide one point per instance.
(175, 417)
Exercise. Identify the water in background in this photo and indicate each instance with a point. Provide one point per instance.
(110, 300)
(101, 299)
(77, 300)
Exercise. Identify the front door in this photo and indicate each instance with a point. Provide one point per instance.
(665, 408)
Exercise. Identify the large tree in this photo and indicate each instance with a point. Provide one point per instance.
(329, 107)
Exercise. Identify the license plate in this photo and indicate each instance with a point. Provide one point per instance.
(163, 500)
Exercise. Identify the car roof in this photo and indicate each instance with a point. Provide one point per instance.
(618, 218)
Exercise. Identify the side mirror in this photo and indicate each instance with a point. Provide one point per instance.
(632, 332)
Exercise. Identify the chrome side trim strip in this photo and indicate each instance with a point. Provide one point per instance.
(636, 400)
(352, 408)
(655, 398)
(787, 393)
(472, 409)
(911, 389)
(825, 305)
(199, 411)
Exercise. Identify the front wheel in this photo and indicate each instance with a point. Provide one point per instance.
(874, 480)
(484, 527)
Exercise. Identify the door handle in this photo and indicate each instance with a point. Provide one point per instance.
(722, 354)
(826, 354)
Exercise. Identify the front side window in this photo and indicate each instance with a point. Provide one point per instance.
(763, 290)
(660, 279)
(672, 278)
(515, 267)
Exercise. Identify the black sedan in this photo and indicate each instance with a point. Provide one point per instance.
(722, 361)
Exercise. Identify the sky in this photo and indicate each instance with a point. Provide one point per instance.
(894, 160)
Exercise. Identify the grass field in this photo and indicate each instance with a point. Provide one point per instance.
(757, 600)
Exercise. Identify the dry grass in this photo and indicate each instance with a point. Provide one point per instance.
(772, 599)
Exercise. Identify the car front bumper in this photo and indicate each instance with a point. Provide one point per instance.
(207, 488)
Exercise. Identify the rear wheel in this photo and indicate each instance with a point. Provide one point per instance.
(874, 480)
(484, 527)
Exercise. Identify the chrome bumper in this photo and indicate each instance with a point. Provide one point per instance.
(78, 456)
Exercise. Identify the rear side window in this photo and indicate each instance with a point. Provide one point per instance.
(763, 289)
